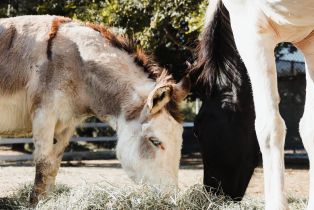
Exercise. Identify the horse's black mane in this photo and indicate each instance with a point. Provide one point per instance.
(224, 125)
(218, 68)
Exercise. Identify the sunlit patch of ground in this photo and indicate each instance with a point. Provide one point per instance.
(73, 174)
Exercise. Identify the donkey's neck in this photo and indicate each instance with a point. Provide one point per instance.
(113, 80)
(116, 92)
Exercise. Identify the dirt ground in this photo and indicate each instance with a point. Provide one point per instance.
(13, 176)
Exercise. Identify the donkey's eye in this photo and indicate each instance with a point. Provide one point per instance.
(155, 141)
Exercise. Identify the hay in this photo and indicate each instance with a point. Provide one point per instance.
(107, 196)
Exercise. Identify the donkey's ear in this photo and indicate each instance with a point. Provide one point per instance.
(158, 98)
(182, 89)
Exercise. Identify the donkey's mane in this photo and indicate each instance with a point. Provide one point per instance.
(127, 44)
(53, 32)
(123, 42)
(218, 68)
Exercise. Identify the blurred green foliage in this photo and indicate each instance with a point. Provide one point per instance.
(167, 28)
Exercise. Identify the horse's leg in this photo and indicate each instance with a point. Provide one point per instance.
(257, 52)
(307, 121)
(47, 154)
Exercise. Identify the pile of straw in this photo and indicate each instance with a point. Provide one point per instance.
(107, 196)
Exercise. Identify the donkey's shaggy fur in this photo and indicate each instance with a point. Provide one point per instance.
(55, 72)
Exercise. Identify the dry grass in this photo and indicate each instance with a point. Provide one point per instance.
(106, 196)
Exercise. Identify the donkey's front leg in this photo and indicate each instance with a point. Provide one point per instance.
(44, 122)
(49, 147)
(257, 52)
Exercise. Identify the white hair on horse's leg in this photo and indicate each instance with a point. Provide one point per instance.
(257, 52)
(306, 123)
(258, 26)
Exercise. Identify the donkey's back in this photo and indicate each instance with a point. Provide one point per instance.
(22, 49)
(22, 52)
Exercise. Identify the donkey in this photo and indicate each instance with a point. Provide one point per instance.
(56, 72)
(258, 26)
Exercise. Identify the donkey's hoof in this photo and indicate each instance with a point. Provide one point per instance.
(33, 199)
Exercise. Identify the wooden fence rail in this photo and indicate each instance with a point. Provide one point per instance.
(110, 154)
(86, 155)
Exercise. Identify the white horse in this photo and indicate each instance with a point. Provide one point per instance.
(258, 26)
